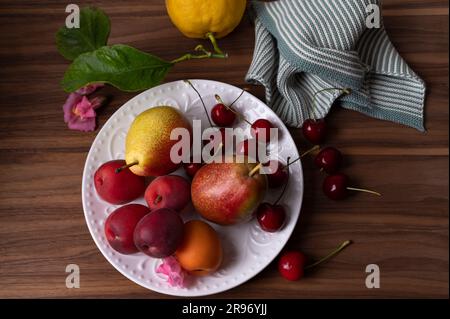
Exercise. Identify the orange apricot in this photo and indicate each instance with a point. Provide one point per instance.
(200, 251)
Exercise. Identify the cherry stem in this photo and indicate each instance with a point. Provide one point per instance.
(240, 95)
(343, 90)
(313, 149)
(330, 255)
(118, 170)
(213, 40)
(219, 100)
(255, 170)
(363, 191)
(157, 200)
(201, 99)
(285, 184)
(206, 55)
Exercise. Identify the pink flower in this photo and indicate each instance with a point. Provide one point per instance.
(79, 111)
(175, 274)
(90, 88)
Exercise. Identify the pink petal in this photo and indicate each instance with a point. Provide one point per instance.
(84, 125)
(89, 89)
(175, 274)
(72, 100)
(84, 108)
(98, 101)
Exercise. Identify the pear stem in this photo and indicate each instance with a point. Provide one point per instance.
(285, 184)
(330, 255)
(201, 99)
(255, 170)
(363, 191)
(313, 149)
(118, 170)
(219, 100)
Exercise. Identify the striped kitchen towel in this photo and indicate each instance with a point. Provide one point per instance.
(305, 46)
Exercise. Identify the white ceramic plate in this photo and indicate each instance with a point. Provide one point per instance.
(247, 249)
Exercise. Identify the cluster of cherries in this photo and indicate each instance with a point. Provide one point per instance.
(336, 185)
(271, 217)
(292, 264)
(225, 116)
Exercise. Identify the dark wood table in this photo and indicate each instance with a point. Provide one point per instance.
(42, 226)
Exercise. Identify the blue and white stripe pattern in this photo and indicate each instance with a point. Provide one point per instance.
(304, 46)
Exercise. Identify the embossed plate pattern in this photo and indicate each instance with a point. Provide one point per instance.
(247, 249)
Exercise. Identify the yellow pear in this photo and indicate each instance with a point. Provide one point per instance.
(148, 144)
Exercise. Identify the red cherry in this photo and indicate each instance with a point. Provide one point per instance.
(292, 265)
(279, 176)
(222, 115)
(192, 168)
(262, 127)
(335, 186)
(315, 131)
(270, 217)
(329, 159)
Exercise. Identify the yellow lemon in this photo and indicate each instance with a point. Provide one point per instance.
(206, 18)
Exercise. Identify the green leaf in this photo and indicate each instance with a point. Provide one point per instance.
(92, 34)
(122, 66)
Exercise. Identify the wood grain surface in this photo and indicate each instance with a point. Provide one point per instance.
(42, 226)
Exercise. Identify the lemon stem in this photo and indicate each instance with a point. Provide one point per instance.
(213, 40)
(205, 55)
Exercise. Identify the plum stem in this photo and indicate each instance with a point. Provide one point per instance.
(157, 200)
(285, 184)
(330, 255)
(255, 170)
(201, 99)
(363, 191)
(118, 170)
